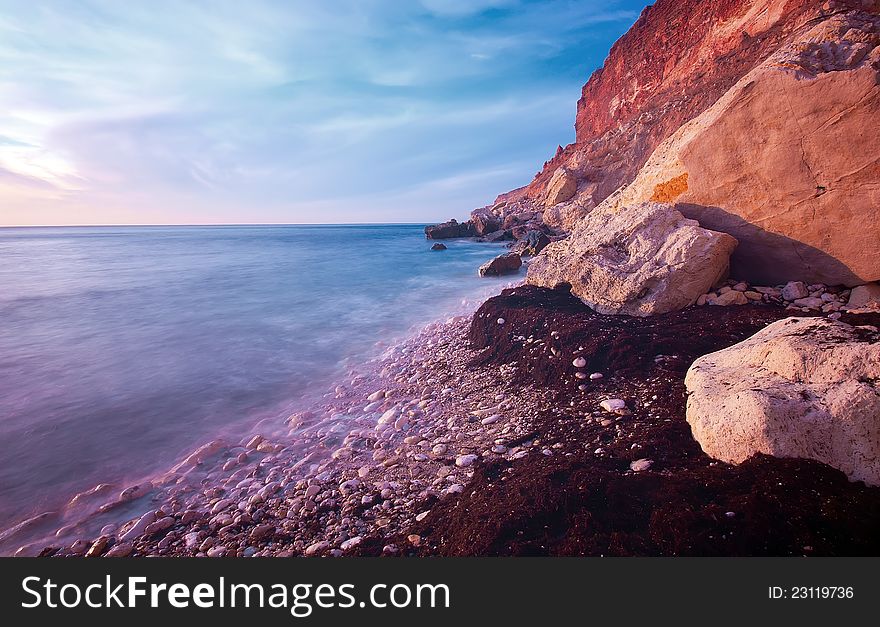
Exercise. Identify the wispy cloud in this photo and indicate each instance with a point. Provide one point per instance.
(269, 111)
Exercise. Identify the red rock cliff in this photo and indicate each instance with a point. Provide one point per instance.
(675, 62)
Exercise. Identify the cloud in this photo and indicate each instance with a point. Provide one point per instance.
(221, 112)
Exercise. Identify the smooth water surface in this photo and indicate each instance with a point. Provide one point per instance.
(123, 347)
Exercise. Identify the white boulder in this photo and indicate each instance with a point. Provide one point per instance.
(801, 387)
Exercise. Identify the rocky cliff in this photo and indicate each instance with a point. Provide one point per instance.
(755, 117)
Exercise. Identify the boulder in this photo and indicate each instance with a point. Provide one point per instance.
(726, 299)
(794, 290)
(864, 296)
(507, 263)
(534, 242)
(450, 229)
(562, 187)
(800, 208)
(801, 387)
(497, 236)
(640, 260)
(438, 246)
(485, 221)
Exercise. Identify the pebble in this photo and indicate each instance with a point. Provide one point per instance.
(580, 362)
(375, 396)
(122, 549)
(640, 465)
(98, 547)
(439, 449)
(317, 547)
(217, 551)
(501, 321)
(613, 404)
(596, 375)
(261, 531)
(160, 525)
(350, 543)
(455, 488)
(463, 461)
(422, 516)
(491, 420)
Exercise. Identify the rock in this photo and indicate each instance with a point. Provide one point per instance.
(810, 302)
(729, 298)
(139, 527)
(580, 362)
(863, 296)
(160, 525)
(613, 404)
(98, 547)
(498, 236)
(485, 221)
(801, 387)
(438, 246)
(596, 375)
(262, 531)
(562, 187)
(640, 260)
(641, 465)
(535, 242)
(121, 549)
(464, 461)
(502, 264)
(351, 543)
(317, 547)
(794, 290)
(450, 229)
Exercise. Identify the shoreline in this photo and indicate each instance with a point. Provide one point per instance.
(432, 454)
(299, 441)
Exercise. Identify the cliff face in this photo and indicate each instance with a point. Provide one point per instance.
(679, 60)
(676, 61)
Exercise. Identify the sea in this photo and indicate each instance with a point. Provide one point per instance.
(123, 348)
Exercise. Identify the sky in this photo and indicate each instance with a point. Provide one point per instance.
(287, 111)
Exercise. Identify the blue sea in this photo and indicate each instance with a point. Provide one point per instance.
(121, 348)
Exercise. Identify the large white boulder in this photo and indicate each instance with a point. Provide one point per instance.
(802, 387)
(640, 260)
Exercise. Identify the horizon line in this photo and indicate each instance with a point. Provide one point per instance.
(57, 226)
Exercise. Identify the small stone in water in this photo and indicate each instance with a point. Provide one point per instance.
(580, 362)
(501, 321)
(596, 375)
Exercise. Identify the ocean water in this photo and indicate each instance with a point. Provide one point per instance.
(121, 348)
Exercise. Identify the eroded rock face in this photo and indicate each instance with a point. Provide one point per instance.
(640, 260)
(799, 190)
(801, 387)
(678, 58)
